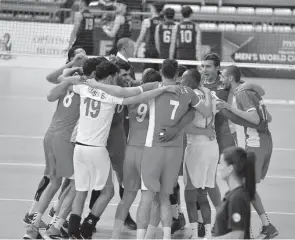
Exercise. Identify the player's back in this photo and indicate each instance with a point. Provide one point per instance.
(150, 37)
(66, 114)
(186, 40)
(166, 111)
(165, 32)
(85, 32)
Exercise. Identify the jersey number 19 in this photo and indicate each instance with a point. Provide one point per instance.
(92, 107)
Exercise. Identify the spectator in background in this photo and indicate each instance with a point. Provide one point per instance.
(5, 46)
(83, 28)
(148, 29)
(121, 27)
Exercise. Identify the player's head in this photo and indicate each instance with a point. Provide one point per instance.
(169, 70)
(75, 51)
(124, 73)
(191, 78)
(107, 72)
(210, 66)
(126, 47)
(231, 75)
(6, 38)
(121, 7)
(169, 13)
(151, 75)
(181, 69)
(90, 64)
(186, 11)
(238, 165)
(156, 7)
(83, 3)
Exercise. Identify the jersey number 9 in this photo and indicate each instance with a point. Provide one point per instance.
(92, 107)
(186, 36)
(166, 36)
(89, 24)
(141, 112)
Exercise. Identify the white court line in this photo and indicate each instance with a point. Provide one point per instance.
(133, 205)
(43, 165)
(23, 98)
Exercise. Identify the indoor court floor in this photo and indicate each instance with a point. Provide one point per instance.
(25, 116)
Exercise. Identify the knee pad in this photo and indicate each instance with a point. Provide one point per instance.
(94, 196)
(42, 186)
(174, 196)
(190, 196)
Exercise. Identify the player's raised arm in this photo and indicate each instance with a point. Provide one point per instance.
(157, 38)
(173, 41)
(204, 106)
(68, 74)
(77, 21)
(117, 23)
(144, 27)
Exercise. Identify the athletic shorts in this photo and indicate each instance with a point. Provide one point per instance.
(183, 152)
(116, 147)
(263, 156)
(132, 168)
(160, 167)
(93, 169)
(58, 151)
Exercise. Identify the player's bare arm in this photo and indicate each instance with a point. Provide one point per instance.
(252, 86)
(204, 106)
(68, 74)
(77, 21)
(251, 115)
(117, 23)
(173, 41)
(144, 26)
(157, 38)
(145, 96)
(170, 133)
(53, 76)
(61, 89)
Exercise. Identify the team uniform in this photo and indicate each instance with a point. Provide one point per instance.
(186, 38)
(201, 154)
(257, 140)
(150, 49)
(91, 158)
(224, 135)
(162, 160)
(84, 38)
(165, 32)
(58, 147)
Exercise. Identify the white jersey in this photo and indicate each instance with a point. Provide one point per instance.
(202, 122)
(96, 113)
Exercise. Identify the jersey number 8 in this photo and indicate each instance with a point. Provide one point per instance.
(68, 99)
(186, 36)
(166, 36)
(141, 112)
(92, 107)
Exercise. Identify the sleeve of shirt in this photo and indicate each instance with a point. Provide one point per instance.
(79, 89)
(238, 212)
(246, 101)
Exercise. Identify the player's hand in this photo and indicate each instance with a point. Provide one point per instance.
(112, 58)
(220, 104)
(91, 83)
(76, 80)
(211, 133)
(168, 134)
(79, 59)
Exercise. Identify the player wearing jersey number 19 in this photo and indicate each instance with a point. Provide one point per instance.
(162, 160)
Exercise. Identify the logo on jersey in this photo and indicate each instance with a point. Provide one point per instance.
(236, 217)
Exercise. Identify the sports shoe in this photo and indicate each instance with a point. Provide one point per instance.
(64, 233)
(29, 218)
(51, 212)
(201, 230)
(178, 224)
(66, 225)
(32, 233)
(268, 232)
(129, 223)
(52, 233)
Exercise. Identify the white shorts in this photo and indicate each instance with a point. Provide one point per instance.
(200, 164)
(92, 168)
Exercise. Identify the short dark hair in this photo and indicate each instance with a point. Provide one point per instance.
(181, 69)
(151, 76)
(194, 79)
(169, 68)
(186, 11)
(158, 6)
(169, 13)
(235, 72)
(214, 57)
(72, 52)
(105, 69)
(123, 65)
(90, 64)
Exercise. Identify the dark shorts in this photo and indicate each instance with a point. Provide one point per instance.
(59, 153)
(263, 156)
(132, 168)
(160, 167)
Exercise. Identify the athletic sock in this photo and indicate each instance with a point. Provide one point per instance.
(58, 224)
(87, 226)
(264, 219)
(175, 211)
(150, 232)
(180, 208)
(140, 233)
(194, 227)
(118, 226)
(208, 233)
(200, 217)
(74, 224)
(166, 232)
(37, 219)
(121, 192)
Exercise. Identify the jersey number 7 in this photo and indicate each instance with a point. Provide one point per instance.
(175, 105)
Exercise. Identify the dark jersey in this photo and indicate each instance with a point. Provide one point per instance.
(150, 37)
(222, 129)
(124, 30)
(85, 32)
(165, 32)
(234, 213)
(186, 41)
